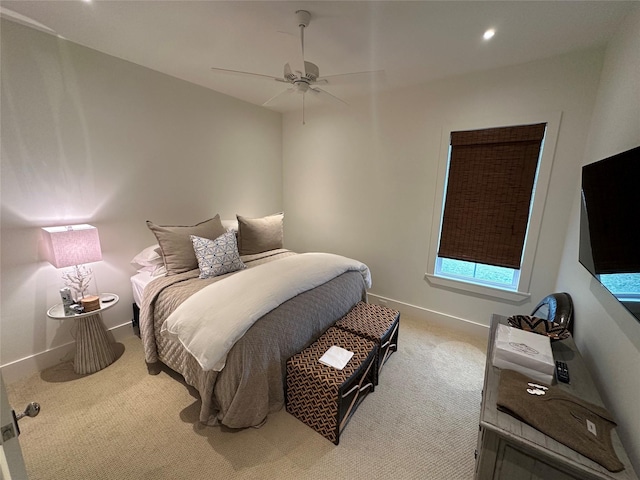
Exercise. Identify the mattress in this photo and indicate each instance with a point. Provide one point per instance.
(138, 283)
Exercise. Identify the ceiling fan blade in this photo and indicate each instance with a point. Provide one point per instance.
(327, 95)
(246, 73)
(343, 78)
(278, 95)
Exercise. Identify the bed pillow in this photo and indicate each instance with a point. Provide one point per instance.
(217, 257)
(175, 243)
(149, 257)
(230, 225)
(256, 235)
(155, 271)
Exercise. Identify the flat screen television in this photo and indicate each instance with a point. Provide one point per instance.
(610, 225)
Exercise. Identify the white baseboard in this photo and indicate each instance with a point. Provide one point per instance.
(433, 317)
(24, 367)
(27, 366)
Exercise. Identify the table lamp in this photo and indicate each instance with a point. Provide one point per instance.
(74, 246)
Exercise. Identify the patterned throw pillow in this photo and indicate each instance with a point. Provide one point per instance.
(217, 257)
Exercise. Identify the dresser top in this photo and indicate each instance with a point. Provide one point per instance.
(534, 441)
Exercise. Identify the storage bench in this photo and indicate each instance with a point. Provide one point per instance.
(323, 397)
(376, 323)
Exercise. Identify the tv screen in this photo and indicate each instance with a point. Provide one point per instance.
(610, 225)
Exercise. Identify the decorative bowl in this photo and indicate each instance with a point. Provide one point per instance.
(541, 326)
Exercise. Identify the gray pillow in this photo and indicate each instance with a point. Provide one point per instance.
(256, 235)
(217, 257)
(175, 242)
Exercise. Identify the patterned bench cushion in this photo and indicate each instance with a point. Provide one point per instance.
(323, 397)
(376, 323)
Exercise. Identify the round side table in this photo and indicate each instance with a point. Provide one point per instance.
(93, 348)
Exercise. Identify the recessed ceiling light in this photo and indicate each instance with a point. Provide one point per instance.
(489, 34)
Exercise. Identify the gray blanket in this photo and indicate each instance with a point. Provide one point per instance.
(252, 383)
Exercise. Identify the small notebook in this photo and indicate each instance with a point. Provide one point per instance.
(336, 357)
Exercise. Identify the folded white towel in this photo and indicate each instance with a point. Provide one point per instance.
(336, 357)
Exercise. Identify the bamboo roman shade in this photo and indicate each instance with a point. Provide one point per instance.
(490, 183)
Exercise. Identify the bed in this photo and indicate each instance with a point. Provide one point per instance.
(250, 384)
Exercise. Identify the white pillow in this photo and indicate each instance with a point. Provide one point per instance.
(155, 270)
(149, 257)
(217, 257)
(230, 225)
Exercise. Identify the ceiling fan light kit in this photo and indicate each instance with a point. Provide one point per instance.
(301, 82)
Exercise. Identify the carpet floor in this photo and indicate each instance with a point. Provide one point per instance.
(122, 423)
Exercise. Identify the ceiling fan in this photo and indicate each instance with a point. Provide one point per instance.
(306, 80)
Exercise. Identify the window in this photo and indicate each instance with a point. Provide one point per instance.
(489, 206)
(624, 286)
(481, 273)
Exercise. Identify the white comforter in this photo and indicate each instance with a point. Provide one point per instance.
(210, 322)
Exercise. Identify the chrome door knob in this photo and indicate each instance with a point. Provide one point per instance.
(31, 410)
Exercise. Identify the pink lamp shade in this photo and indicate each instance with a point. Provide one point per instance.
(71, 245)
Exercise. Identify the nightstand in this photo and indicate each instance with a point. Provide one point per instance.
(93, 348)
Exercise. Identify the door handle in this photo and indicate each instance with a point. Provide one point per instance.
(31, 410)
(8, 431)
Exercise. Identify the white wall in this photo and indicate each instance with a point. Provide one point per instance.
(360, 181)
(90, 138)
(607, 335)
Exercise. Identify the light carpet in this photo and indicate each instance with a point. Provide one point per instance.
(122, 423)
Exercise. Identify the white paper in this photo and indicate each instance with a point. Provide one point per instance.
(336, 357)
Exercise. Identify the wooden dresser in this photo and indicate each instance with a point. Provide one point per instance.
(512, 450)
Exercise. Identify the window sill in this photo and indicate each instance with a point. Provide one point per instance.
(485, 290)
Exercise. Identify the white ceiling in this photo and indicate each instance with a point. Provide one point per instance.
(413, 42)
